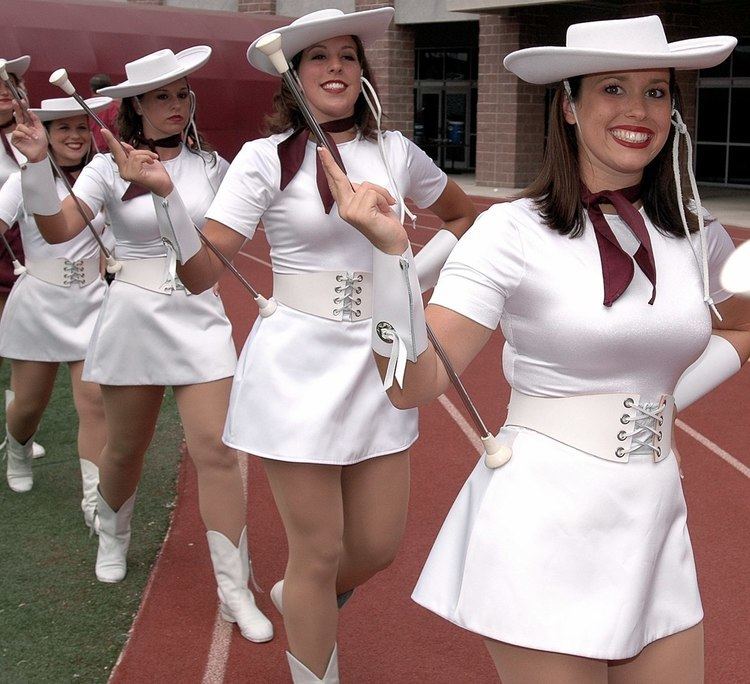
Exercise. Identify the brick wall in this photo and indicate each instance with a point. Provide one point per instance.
(510, 113)
(392, 63)
(257, 6)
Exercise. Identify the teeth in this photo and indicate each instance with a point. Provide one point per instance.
(630, 136)
(334, 86)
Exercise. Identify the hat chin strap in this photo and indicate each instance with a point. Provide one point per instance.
(680, 129)
(371, 98)
(702, 260)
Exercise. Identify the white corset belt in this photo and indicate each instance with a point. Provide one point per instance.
(155, 274)
(608, 426)
(336, 295)
(64, 272)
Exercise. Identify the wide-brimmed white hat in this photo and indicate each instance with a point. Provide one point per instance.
(312, 28)
(618, 45)
(158, 69)
(64, 107)
(18, 66)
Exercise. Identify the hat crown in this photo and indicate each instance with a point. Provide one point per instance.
(151, 66)
(641, 35)
(320, 15)
(61, 103)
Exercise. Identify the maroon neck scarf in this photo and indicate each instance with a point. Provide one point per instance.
(617, 266)
(292, 152)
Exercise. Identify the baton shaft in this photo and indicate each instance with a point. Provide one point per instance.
(8, 247)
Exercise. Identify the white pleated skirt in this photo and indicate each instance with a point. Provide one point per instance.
(149, 338)
(50, 323)
(561, 551)
(307, 390)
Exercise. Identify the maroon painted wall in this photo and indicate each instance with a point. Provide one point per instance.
(88, 37)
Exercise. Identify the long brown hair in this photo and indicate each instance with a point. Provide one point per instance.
(556, 190)
(286, 113)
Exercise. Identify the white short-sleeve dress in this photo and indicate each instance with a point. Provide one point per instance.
(43, 321)
(307, 388)
(143, 337)
(558, 550)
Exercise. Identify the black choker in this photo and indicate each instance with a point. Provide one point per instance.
(74, 167)
(170, 141)
(10, 123)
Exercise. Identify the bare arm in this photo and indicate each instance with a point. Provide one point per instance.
(735, 326)
(455, 208)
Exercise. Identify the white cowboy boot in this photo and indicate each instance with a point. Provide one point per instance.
(277, 592)
(90, 482)
(20, 477)
(232, 571)
(301, 675)
(37, 451)
(114, 539)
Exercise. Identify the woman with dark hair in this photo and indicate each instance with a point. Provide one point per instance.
(52, 309)
(151, 333)
(572, 559)
(307, 398)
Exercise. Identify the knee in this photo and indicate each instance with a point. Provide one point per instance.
(375, 554)
(317, 559)
(27, 407)
(211, 455)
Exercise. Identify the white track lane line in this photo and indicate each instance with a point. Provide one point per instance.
(463, 424)
(221, 638)
(706, 442)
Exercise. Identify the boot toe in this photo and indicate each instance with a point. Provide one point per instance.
(20, 483)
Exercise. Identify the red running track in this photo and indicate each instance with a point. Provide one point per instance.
(384, 636)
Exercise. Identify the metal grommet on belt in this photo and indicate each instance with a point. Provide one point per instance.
(622, 435)
(385, 331)
(629, 402)
(619, 452)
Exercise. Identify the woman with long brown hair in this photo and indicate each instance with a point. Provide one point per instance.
(307, 398)
(572, 559)
(151, 333)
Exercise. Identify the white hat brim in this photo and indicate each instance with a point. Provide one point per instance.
(18, 66)
(543, 65)
(190, 60)
(368, 26)
(64, 112)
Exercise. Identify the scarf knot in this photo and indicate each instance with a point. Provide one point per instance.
(617, 265)
(291, 153)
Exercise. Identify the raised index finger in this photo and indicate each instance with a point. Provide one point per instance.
(118, 153)
(341, 188)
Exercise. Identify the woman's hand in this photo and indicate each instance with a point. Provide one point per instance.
(139, 166)
(29, 136)
(367, 207)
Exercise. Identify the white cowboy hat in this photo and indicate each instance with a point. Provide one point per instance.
(158, 69)
(64, 107)
(617, 45)
(18, 66)
(322, 25)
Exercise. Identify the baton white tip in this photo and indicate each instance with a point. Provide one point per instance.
(113, 266)
(60, 79)
(18, 268)
(496, 455)
(270, 46)
(266, 307)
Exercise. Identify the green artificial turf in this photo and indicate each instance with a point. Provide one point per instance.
(57, 622)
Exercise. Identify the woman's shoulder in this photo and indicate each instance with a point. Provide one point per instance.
(261, 149)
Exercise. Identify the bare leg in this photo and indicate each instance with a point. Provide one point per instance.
(376, 498)
(676, 659)
(3, 301)
(131, 414)
(203, 409)
(309, 500)
(517, 665)
(33, 382)
(92, 428)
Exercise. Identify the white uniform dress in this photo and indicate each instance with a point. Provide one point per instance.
(43, 321)
(307, 388)
(559, 550)
(144, 337)
(10, 161)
